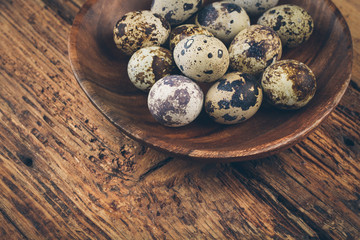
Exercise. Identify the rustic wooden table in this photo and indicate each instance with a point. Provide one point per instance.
(66, 172)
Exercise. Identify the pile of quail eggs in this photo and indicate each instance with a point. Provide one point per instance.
(179, 44)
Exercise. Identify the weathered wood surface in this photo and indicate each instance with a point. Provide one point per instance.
(67, 172)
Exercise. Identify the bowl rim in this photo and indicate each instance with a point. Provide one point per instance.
(260, 151)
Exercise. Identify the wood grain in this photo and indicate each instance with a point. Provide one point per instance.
(350, 10)
(68, 173)
(101, 69)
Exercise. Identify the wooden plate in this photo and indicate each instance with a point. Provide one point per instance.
(101, 71)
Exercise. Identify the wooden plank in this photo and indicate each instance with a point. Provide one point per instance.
(350, 10)
(67, 172)
(8, 229)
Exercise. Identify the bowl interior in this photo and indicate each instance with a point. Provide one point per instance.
(101, 70)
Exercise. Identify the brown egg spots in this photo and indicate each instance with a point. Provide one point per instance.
(140, 77)
(160, 67)
(207, 16)
(123, 18)
(169, 19)
(257, 50)
(209, 107)
(180, 30)
(188, 6)
(164, 22)
(230, 7)
(279, 23)
(245, 91)
(287, 10)
(150, 29)
(121, 29)
(229, 118)
(180, 98)
(304, 83)
(223, 104)
(174, 81)
(259, 7)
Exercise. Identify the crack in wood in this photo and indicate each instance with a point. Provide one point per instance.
(13, 223)
(155, 167)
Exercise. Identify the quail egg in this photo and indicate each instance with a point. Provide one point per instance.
(255, 7)
(288, 84)
(202, 58)
(140, 29)
(223, 19)
(235, 98)
(254, 48)
(176, 11)
(175, 101)
(293, 24)
(183, 31)
(148, 65)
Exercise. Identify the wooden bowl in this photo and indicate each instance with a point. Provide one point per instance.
(101, 71)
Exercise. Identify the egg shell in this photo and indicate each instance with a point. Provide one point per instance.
(254, 48)
(288, 84)
(176, 11)
(175, 101)
(202, 58)
(293, 24)
(148, 65)
(140, 29)
(255, 7)
(223, 19)
(183, 31)
(235, 98)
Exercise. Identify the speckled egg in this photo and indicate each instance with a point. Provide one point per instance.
(254, 48)
(288, 84)
(235, 98)
(255, 7)
(175, 101)
(148, 65)
(293, 24)
(140, 29)
(202, 58)
(223, 19)
(183, 31)
(176, 11)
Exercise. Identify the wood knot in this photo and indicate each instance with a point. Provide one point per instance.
(28, 161)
